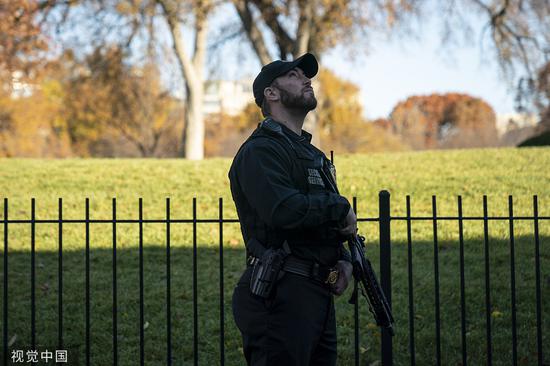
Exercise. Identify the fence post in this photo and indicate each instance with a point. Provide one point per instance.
(385, 269)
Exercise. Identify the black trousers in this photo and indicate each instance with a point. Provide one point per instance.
(296, 327)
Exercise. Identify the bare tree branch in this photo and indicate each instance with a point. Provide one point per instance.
(303, 34)
(254, 34)
(270, 16)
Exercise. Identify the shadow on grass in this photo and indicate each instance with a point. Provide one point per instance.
(208, 303)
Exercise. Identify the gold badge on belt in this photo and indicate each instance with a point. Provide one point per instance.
(332, 277)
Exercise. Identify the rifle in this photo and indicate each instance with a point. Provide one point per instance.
(371, 290)
(362, 269)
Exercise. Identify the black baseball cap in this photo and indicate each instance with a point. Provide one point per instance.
(307, 62)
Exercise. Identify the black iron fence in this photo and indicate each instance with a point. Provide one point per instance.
(384, 221)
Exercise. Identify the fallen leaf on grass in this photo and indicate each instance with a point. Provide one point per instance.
(372, 326)
(45, 287)
(12, 340)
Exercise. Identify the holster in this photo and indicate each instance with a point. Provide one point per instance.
(266, 268)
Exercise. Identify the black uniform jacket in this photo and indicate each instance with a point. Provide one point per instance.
(281, 194)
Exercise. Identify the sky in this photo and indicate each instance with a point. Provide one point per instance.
(395, 70)
(389, 73)
(392, 71)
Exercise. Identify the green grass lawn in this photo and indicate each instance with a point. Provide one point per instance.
(496, 173)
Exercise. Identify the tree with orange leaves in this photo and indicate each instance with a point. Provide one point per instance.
(444, 121)
(22, 40)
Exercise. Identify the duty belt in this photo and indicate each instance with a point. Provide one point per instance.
(309, 269)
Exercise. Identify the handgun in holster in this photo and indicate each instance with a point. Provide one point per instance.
(266, 267)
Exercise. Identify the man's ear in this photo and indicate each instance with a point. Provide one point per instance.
(271, 94)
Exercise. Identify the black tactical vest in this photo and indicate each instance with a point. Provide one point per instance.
(311, 171)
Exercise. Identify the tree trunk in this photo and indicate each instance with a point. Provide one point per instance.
(252, 31)
(192, 72)
(193, 134)
(312, 123)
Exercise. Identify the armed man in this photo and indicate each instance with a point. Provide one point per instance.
(293, 223)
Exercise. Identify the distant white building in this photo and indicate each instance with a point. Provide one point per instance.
(514, 121)
(19, 88)
(228, 97)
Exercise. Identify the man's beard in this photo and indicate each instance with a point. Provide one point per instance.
(301, 102)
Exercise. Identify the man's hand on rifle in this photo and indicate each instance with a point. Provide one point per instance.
(351, 224)
(345, 270)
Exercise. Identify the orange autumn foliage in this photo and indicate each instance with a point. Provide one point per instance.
(450, 120)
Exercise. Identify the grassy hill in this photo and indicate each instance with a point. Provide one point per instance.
(496, 173)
